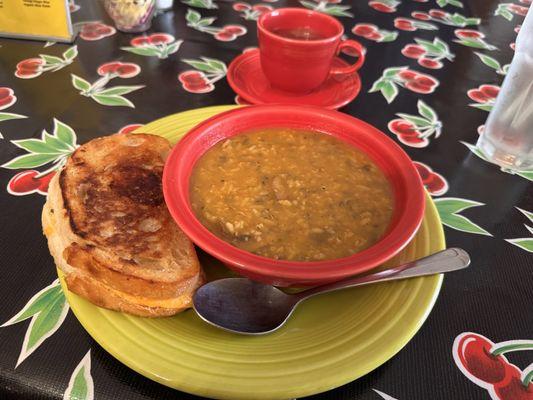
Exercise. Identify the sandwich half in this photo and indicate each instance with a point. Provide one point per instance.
(110, 232)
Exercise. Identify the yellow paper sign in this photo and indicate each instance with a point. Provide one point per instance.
(36, 19)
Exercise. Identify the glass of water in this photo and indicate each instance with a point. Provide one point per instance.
(508, 136)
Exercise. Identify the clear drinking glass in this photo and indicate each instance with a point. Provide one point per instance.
(508, 136)
(164, 5)
(131, 15)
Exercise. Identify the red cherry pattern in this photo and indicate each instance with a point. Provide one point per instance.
(381, 7)
(44, 182)
(27, 182)
(422, 16)
(140, 41)
(153, 39)
(472, 354)
(364, 29)
(261, 8)
(230, 32)
(252, 12)
(407, 133)
(368, 31)
(7, 97)
(224, 36)
(161, 38)
(518, 10)
(429, 63)
(195, 82)
(96, 31)
(404, 24)
(435, 183)
(438, 14)
(468, 34)
(484, 93)
(242, 7)
(512, 387)
(29, 68)
(418, 82)
(413, 51)
(120, 69)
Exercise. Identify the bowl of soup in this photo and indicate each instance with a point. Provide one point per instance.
(293, 195)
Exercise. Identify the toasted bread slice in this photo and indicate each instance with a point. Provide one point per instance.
(98, 234)
(112, 192)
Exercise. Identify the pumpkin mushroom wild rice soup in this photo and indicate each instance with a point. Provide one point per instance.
(291, 195)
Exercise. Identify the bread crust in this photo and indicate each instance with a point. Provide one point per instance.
(95, 267)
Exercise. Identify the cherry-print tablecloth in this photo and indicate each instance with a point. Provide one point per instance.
(433, 71)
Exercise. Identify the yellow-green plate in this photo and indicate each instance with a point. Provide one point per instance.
(329, 341)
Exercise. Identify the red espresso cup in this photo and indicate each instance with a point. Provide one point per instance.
(297, 47)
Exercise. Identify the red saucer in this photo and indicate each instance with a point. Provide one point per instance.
(247, 79)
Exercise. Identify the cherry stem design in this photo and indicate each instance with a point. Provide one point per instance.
(507, 347)
(498, 350)
(528, 378)
(100, 84)
(427, 132)
(216, 77)
(55, 167)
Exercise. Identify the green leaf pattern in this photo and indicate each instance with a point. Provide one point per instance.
(5, 116)
(449, 209)
(161, 51)
(457, 19)
(337, 10)
(81, 385)
(389, 81)
(477, 43)
(384, 396)
(103, 95)
(55, 63)
(51, 148)
(195, 21)
(444, 3)
(427, 123)
(47, 309)
(505, 10)
(208, 65)
(493, 63)
(208, 4)
(525, 243)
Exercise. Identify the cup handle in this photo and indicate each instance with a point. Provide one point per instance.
(350, 69)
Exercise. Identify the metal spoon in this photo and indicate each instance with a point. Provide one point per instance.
(241, 305)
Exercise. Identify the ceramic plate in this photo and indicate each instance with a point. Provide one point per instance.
(330, 340)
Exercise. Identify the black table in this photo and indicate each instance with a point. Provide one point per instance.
(453, 87)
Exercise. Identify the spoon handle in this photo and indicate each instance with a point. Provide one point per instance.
(448, 260)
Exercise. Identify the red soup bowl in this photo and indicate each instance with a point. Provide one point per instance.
(409, 198)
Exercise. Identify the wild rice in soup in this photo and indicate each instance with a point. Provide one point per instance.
(291, 195)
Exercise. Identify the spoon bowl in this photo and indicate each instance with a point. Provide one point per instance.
(243, 306)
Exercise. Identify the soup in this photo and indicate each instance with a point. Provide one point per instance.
(291, 195)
